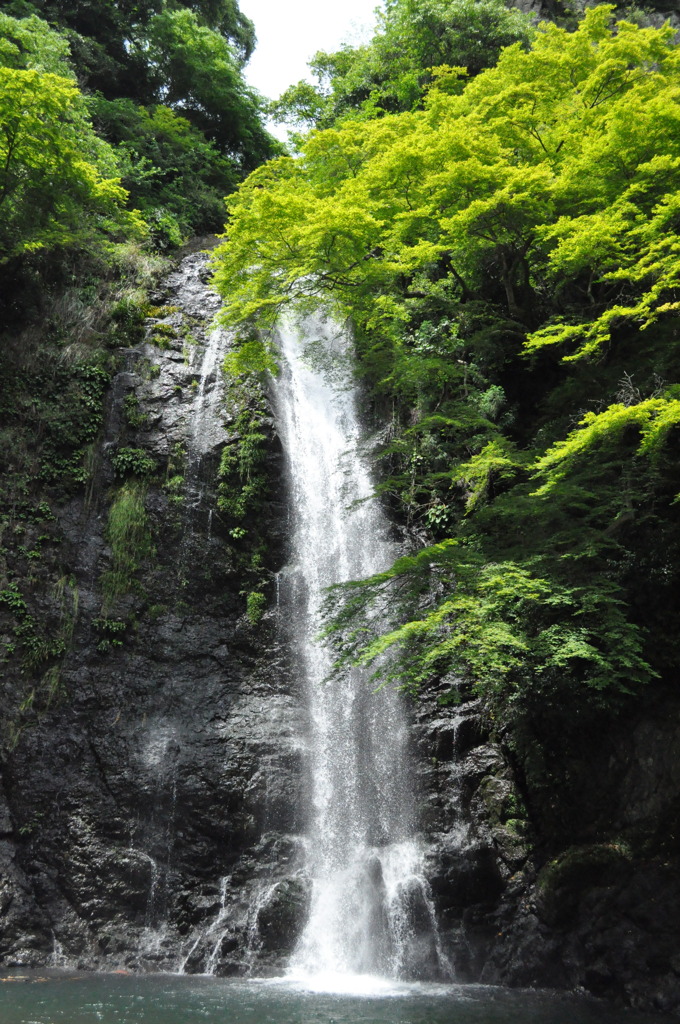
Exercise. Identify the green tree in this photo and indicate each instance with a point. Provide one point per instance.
(166, 89)
(173, 174)
(196, 72)
(391, 73)
(507, 256)
(107, 36)
(30, 44)
(58, 183)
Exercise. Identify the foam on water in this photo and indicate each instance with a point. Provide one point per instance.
(364, 985)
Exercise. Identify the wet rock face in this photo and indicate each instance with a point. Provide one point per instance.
(608, 898)
(143, 814)
(282, 915)
(475, 827)
(150, 817)
(421, 959)
(529, 891)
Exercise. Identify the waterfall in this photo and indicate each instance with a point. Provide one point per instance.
(205, 421)
(370, 909)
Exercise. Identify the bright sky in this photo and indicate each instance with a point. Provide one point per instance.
(289, 32)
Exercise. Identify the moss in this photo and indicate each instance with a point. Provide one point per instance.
(563, 881)
(158, 312)
(129, 536)
(503, 805)
(162, 335)
(134, 417)
(155, 611)
(581, 863)
(255, 606)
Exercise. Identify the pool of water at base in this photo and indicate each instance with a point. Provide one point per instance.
(66, 998)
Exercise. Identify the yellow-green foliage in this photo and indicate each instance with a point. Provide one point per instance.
(255, 605)
(252, 356)
(501, 621)
(58, 181)
(559, 161)
(651, 421)
(129, 538)
(158, 312)
(496, 461)
(508, 257)
(31, 43)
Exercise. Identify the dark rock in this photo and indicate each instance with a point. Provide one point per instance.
(282, 915)
(175, 749)
(420, 959)
(151, 814)
(467, 876)
(597, 916)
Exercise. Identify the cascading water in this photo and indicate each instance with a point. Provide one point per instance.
(205, 426)
(370, 912)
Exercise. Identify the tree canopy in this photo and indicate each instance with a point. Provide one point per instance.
(162, 85)
(59, 182)
(508, 259)
(392, 72)
(109, 38)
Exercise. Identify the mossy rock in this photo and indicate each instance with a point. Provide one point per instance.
(564, 881)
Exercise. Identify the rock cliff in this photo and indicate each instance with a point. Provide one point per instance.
(150, 809)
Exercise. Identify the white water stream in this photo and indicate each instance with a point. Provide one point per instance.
(370, 909)
(205, 421)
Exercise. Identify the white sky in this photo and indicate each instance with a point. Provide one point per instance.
(289, 32)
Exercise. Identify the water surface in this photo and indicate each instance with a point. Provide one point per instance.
(34, 998)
